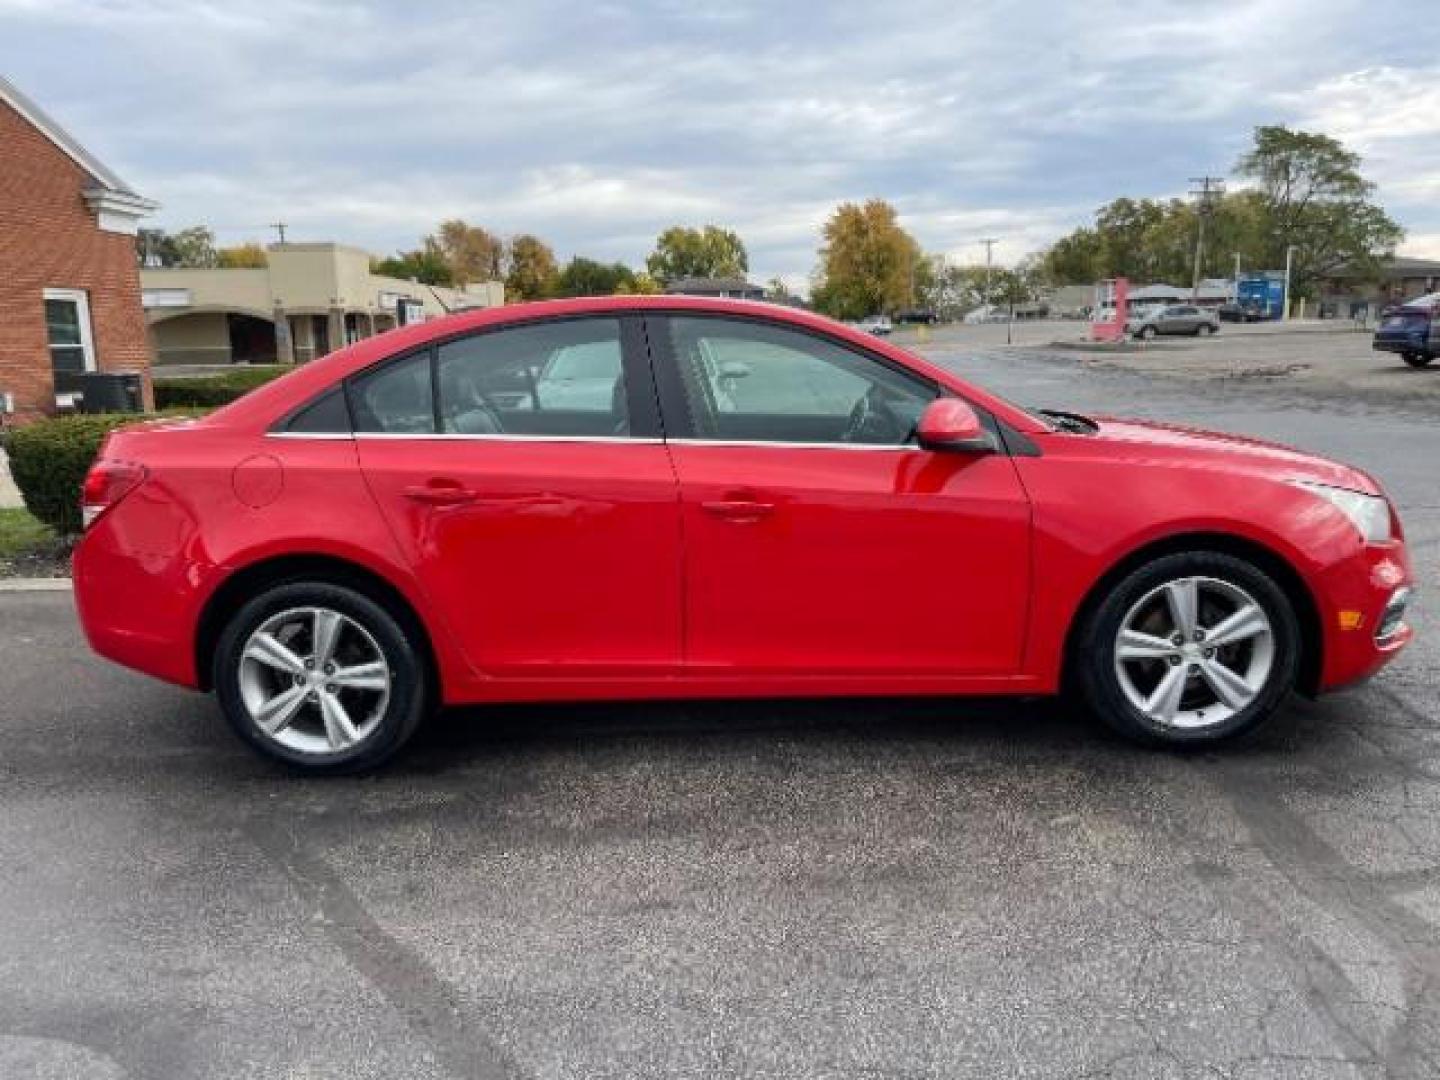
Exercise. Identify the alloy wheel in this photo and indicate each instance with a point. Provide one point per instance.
(1194, 652)
(314, 680)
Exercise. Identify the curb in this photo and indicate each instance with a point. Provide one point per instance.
(35, 584)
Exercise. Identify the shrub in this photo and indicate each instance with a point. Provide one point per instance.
(49, 460)
(212, 391)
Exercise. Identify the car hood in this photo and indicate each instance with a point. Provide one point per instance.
(1272, 459)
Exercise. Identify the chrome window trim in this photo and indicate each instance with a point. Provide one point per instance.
(450, 436)
(795, 445)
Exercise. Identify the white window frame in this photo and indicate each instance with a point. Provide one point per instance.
(81, 299)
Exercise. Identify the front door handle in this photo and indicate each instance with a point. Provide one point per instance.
(440, 493)
(741, 511)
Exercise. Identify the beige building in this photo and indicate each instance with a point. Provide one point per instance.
(309, 300)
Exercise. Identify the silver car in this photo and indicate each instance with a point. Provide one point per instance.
(1174, 319)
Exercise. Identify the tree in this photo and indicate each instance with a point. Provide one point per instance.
(248, 256)
(711, 252)
(155, 247)
(1312, 197)
(195, 246)
(867, 264)
(472, 253)
(1307, 193)
(777, 288)
(638, 283)
(586, 277)
(533, 273)
(426, 265)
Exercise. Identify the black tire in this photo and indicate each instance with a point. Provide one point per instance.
(1204, 330)
(1145, 333)
(407, 700)
(1417, 359)
(1093, 659)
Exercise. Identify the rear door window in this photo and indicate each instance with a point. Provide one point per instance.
(395, 398)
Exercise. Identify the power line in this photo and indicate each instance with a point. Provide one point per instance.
(279, 227)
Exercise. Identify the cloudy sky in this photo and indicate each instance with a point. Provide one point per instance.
(595, 125)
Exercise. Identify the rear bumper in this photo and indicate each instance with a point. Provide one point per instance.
(1362, 612)
(1399, 345)
(138, 608)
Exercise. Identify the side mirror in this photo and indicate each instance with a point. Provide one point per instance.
(951, 424)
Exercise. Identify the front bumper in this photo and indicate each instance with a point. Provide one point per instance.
(1362, 604)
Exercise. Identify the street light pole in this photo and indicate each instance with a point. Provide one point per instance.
(1289, 268)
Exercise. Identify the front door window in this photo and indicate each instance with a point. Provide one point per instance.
(67, 325)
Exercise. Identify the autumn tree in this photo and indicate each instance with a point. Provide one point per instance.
(711, 252)
(533, 274)
(638, 283)
(249, 256)
(472, 253)
(868, 263)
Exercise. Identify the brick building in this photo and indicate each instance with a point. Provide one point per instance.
(69, 284)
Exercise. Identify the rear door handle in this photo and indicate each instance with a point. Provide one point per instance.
(440, 493)
(740, 511)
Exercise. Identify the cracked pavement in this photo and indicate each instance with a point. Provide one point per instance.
(760, 889)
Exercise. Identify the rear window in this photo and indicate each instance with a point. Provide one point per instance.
(1396, 320)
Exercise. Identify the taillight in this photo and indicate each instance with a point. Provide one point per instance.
(106, 484)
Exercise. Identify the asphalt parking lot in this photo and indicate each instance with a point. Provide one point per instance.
(860, 889)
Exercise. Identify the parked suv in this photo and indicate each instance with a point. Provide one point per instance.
(1175, 319)
(1408, 331)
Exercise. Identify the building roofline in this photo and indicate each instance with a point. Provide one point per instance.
(47, 126)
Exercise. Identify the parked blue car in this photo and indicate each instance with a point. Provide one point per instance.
(1411, 331)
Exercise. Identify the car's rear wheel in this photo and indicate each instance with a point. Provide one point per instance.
(1417, 359)
(1192, 648)
(1146, 333)
(320, 677)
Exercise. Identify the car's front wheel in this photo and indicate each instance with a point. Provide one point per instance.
(1417, 359)
(320, 677)
(1191, 648)
(1205, 330)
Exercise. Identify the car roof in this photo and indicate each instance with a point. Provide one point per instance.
(261, 407)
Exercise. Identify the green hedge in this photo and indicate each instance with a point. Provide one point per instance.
(49, 460)
(212, 391)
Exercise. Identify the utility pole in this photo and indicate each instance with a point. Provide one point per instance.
(1210, 186)
(279, 227)
(989, 243)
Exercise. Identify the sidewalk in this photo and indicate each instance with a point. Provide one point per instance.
(9, 493)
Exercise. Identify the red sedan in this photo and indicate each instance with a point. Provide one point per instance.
(665, 497)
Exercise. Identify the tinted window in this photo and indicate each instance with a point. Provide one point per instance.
(395, 398)
(750, 381)
(561, 378)
(325, 416)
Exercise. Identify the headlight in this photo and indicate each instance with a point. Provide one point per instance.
(1369, 513)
